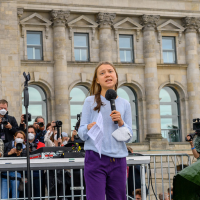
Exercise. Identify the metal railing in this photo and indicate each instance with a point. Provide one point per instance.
(163, 167)
(55, 171)
(172, 135)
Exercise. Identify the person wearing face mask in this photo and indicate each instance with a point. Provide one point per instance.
(12, 149)
(35, 144)
(39, 125)
(48, 138)
(11, 127)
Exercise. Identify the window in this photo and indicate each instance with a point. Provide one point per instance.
(81, 47)
(168, 48)
(170, 114)
(78, 95)
(130, 95)
(34, 45)
(126, 48)
(37, 103)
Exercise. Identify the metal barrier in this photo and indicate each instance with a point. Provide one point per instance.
(163, 168)
(51, 167)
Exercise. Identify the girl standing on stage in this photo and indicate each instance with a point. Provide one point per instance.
(105, 176)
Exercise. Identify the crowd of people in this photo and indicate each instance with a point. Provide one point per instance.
(13, 144)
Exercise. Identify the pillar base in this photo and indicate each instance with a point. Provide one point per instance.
(154, 136)
(157, 142)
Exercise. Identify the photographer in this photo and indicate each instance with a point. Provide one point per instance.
(75, 138)
(15, 148)
(8, 124)
(33, 145)
(195, 146)
(39, 125)
(189, 138)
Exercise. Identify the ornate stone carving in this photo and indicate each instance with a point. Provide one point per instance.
(20, 12)
(170, 25)
(106, 19)
(59, 17)
(86, 23)
(149, 21)
(191, 23)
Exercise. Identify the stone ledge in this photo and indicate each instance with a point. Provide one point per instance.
(38, 62)
(172, 65)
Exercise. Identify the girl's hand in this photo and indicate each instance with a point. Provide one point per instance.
(116, 116)
(89, 126)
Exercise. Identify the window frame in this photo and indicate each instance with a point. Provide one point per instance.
(171, 116)
(77, 102)
(43, 102)
(136, 112)
(88, 46)
(35, 46)
(169, 50)
(127, 49)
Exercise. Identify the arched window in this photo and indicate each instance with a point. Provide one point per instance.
(130, 95)
(78, 95)
(170, 114)
(37, 103)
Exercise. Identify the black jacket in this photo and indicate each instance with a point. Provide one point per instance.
(8, 146)
(10, 133)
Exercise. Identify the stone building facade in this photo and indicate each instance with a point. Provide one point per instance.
(58, 71)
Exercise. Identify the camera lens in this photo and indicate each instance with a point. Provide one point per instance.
(41, 124)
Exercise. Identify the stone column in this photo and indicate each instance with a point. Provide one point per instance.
(151, 80)
(62, 110)
(192, 25)
(105, 21)
(10, 74)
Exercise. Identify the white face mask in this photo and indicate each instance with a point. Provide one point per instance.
(31, 136)
(3, 111)
(65, 142)
(19, 140)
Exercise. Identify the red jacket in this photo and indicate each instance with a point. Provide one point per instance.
(40, 144)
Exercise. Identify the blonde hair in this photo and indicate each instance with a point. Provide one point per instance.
(95, 88)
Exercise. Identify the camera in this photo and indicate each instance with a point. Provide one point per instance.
(41, 124)
(33, 146)
(58, 123)
(77, 125)
(4, 121)
(29, 117)
(196, 128)
(18, 146)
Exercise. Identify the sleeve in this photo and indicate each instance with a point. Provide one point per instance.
(15, 127)
(85, 120)
(6, 150)
(21, 127)
(47, 141)
(128, 120)
(1, 147)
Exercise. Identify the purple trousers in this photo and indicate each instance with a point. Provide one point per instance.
(104, 176)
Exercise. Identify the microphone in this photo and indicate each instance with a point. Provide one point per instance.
(111, 95)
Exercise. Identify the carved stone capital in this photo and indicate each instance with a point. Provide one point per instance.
(191, 24)
(20, 12)
(59, 17)
(149, 21)
(105, 19)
